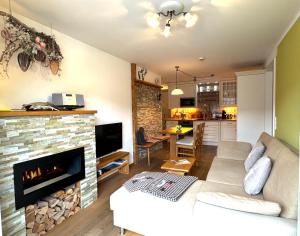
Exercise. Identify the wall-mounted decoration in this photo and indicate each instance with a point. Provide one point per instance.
(142, 73)
(157, 81)
(31, 46)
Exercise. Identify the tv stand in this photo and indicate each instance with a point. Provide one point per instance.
(109, 159)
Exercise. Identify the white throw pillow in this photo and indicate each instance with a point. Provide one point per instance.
(257, 176)
(256, 153)
(240, 203)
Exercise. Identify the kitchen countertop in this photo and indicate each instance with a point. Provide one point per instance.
(176, 119)
(197, 119)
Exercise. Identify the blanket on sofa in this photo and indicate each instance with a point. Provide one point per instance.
(164, 185)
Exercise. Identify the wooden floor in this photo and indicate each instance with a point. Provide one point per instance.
(97, 220)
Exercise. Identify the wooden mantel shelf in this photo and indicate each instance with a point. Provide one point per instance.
(148, 84)
(44, 113)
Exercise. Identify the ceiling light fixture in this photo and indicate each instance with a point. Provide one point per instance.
(177, 91)
(170, 10)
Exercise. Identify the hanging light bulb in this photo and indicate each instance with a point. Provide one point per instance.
(153, 20)
(176, 91)
(190, 20)
(167, 30)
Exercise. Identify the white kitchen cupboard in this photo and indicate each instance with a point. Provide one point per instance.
(228, 93)
(216, 131)
(189, 91)
(254, 102)
(211, 133)
(228, 131)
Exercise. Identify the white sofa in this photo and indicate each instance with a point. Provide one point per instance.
(152, 216)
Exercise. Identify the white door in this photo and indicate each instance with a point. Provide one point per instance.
(252, 93)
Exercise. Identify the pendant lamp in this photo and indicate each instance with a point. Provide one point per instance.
(176, 91)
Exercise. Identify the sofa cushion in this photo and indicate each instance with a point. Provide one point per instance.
(233, 150)
(256, 153)
(208, 186)
(227, 171)
(257, 176)
(282, 184)
(238, 203)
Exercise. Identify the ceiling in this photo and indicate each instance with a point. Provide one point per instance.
(231, 34)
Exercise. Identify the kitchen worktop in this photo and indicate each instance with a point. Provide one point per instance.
(196, 119)
(176, 119)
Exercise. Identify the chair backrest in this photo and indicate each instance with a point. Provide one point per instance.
(140, 136)
(198, 137)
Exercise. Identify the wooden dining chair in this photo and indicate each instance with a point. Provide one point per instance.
(191, 146)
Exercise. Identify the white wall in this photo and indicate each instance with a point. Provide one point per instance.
(150, 76)
(103, 79)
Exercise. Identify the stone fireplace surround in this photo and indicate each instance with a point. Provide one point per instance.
(30, 135)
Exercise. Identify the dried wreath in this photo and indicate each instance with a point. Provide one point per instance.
(29, 44)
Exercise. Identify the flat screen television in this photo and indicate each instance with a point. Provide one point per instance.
(108, 138)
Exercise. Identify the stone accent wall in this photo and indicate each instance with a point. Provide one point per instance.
(149, 113)
(31, 137)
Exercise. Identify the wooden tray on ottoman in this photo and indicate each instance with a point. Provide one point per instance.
(179, 169)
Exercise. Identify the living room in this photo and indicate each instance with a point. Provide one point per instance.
(98, 96)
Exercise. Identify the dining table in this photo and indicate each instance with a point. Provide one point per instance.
(174, 133)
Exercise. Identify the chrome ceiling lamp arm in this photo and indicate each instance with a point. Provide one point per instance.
(171, 10)
(172, 13)
(180, 13)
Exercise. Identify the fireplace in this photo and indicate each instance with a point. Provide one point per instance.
(41, 177)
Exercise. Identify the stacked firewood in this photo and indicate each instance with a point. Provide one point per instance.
(53, 210)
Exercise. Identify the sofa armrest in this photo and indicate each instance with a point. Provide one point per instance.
(214, 221)
(233, 150)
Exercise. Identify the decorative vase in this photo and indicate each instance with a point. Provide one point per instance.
(40, 56)
(54, 66)
(24, 61)
(45, 63)
(5, 34)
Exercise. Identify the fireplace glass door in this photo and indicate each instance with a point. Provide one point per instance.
(40, 177)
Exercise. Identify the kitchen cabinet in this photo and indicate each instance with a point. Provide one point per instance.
(211, 134)
(171, 123)
(228, 93)
(189, 91)
(216, 131)
(228, 131)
